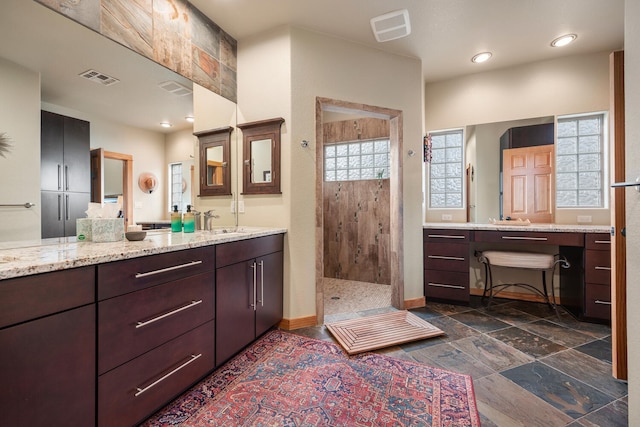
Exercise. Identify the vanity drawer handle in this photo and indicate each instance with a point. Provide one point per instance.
(164, 270)
(524, 238)
(171, 313)
(597, 267)
(442, 285)
(446, 236)
(193, 358)
(449, 258)
(602, 302)
(605, 242)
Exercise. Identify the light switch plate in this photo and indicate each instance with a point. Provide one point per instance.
(233, 206)
(584, 219)
(241, 206)
(446, 217)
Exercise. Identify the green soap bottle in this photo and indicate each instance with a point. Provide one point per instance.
(176, 220)
(189, 221)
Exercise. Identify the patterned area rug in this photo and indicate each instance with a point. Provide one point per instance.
(289, 380)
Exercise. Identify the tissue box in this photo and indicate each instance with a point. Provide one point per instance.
(107, 229)
(83, 229)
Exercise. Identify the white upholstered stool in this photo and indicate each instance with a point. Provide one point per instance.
(524, 260)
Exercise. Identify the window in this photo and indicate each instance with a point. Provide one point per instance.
(446, 170)
(176, 190)
(358, 160)
(580, 161)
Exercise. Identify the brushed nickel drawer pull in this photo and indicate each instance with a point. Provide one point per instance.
(449, 258)
(193, 358)
(171, 313)
(164, 270)
(442, 285)
(602, 302)
(524, 238)
(446, 236)
(607, 242)
(597, 267)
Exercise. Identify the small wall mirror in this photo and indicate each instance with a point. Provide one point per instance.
(215, 153)
(261, 156)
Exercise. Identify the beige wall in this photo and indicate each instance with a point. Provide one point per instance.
(569, 85)
(281, 74)
(20, 169)
(632, 137)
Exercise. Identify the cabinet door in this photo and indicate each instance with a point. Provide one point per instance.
(48, 372)
(75, 206)
(51, 151)
(269, 292)
(77, 158)
(235, 314)
(52, 223)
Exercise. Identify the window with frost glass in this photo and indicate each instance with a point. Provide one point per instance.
(580, 161)
(446, 169)
(175, 174)
(357, 160)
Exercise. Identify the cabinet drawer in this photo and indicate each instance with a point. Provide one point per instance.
(598, 267)
(132, 324)
(132, 392)
(30, 297)
(242, 250)
(447, 285)
(122, 277)
(530, 237)
(446, 256)
(598, 301)
(598, 241)
(434, 235)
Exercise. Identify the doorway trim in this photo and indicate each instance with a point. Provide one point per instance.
(396, 249)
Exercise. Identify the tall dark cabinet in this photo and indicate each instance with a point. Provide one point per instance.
(65, 171)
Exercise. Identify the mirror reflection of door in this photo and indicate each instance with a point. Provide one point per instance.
(113, 180)
(261, 160)
(122, 165)
(215, 165)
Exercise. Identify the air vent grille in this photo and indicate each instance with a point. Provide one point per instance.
(98, 77)
(175, 88)
(391, 26)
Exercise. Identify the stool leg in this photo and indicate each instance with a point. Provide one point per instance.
(551, 302)
(486, 281)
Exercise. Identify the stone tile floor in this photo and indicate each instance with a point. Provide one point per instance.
(529, 367)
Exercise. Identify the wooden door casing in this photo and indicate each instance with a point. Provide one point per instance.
(528, 182)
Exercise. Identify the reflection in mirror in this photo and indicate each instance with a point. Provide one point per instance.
(180, 180)
(261, 156)
(215, 152)
(124, 116)
(261, 161)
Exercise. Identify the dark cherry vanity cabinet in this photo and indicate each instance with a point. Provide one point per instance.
(156, 331)
(248, 292)
(446, 264)
(597, 304)
(65, 171)
(47, 349)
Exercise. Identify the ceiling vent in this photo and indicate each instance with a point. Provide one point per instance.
(98, 77)
(391, 26)
(175, 88)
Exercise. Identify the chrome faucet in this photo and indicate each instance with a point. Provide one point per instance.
(208, 219)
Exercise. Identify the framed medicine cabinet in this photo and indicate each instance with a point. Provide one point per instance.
(215, 153)
(261, 156)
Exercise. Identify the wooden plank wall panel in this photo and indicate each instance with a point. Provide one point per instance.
(356, 214)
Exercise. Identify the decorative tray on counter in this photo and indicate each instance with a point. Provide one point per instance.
(517, 222)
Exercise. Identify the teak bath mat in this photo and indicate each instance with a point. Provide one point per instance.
(381, 330)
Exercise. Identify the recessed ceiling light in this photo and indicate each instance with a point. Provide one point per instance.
(165, 124)
(190, 119)
(481, 57)
(563, 40)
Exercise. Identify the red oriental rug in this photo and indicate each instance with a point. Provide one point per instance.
(289, 380)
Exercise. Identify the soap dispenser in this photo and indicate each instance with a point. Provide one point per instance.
(189, 220)
(176, 220)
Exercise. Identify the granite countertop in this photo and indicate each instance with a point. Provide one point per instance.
(554, 228)
(40, 256)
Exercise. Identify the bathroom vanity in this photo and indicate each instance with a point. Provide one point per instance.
(585, 287)
(107, 333)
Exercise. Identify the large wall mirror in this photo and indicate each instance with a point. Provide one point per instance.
(125, 115)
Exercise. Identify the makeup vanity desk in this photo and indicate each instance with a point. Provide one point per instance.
(585, 287)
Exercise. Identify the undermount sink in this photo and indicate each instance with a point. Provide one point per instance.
(228, 230)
